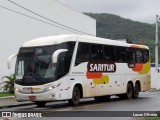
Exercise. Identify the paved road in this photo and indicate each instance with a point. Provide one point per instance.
(147, 101)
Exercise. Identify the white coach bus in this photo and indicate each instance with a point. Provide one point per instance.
(71, 67)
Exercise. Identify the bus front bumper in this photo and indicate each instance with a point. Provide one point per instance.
(46, 96)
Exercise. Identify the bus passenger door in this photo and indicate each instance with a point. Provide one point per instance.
(63, 88)
(62, 70)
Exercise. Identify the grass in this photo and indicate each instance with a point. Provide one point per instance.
(152, 118)
(149, 118)
(5, 94)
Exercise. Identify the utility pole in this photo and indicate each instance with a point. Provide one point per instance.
(156, 44)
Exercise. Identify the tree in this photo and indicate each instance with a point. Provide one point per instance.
(8, 83)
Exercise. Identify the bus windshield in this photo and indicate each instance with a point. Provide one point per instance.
(34, 66)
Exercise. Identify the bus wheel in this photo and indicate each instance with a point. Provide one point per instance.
(75, 96)
(40, 103)
(129, 93)
(136, 91)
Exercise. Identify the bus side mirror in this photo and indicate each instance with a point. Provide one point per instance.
(56, 53)
(10, 59)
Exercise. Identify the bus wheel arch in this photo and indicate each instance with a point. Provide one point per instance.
(77, 93)
(81, 89)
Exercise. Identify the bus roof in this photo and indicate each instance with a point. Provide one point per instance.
(51, 40)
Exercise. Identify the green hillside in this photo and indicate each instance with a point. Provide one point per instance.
(115, 27)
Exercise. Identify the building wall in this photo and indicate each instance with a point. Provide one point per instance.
(155, 77)
(16, 28)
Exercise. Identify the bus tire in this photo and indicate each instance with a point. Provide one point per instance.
(75, 97)
(136, 90)
(129, 93)
(40, 103)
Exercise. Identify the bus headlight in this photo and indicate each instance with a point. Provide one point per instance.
(47, 89)
(50, 88)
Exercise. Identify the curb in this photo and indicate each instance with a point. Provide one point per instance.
(154, 90)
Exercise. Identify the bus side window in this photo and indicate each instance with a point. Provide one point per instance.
(63, 64)
(96, 53)
(82, 53)
(130, 53)
(120, 54)
(93, 52)
(145, 56)
(139, 56)
(100, 52)
(109, 53)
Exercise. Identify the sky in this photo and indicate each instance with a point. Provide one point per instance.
(137, 10)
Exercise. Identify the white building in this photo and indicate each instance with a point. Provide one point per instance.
(23, 20)
(155, 77)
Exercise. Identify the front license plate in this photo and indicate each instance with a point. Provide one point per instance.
(32, 98)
